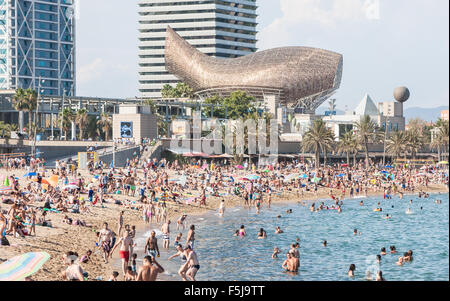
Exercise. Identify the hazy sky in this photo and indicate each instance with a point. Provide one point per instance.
(385, 43)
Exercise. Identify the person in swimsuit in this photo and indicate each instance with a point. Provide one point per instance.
(191, 264)
(191, 237)
(150, 270)
(125, 243)
(178, 239)
(181, 222)
(104, 241)
(73, 272)
(262, 234)
(166, 234)
(180, 252)
(222, 208)
(242, 232)
(151, 245)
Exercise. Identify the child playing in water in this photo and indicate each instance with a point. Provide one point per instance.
(275, 253)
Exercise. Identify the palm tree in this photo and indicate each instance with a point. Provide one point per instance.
(441, 138)
(347, 145)
(105, 123)
(414, 142)
(20, 104)
(367, 132)
(81, 119)
(396, 144)
(66, 116)
(30, 106)
(317, 138)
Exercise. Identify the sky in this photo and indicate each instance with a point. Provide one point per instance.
(385, 44)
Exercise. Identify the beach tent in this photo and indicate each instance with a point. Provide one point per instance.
(20, 267)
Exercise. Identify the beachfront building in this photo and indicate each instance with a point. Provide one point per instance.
(217, 28)
(37, 40)
(385, 113)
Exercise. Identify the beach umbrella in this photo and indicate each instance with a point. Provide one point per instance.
(20, 267)
(239, 167)
(341, 175)
(304, 176)
(389, 166)
(30, 174)
(443, 163)
(344, 165)
(53, 180)
(266, 170)
(384, 172)
(43, 181)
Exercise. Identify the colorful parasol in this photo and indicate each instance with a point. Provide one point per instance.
(20, 267)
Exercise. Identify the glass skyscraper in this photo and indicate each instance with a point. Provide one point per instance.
(219, 28)
(37, 39)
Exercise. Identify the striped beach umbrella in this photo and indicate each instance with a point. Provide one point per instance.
(20, 267)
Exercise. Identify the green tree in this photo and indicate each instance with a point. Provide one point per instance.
(367, 132)
(414, 142)
(441, 139)
(318, 138)
(81, 119)
(396, 144)
(20, 103)
(66, 116)
(182, 90)
(348, 144)
(105, 124)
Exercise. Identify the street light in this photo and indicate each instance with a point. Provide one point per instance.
(387, 124)
(36, 116)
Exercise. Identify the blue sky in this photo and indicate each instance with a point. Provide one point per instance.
(385, 43)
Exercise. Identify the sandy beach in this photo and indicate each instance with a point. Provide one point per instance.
(62, 237)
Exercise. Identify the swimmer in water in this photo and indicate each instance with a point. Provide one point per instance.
(242, 232)
(278, 230)
(262, 234)
(383, 251)
(387, 216)
(324, 243)
(400, 261)
(275, 253)
(380, 276)
(361, 203)
(351, 270)
(369, 276)
(378, 258)
(393, 249)
(236, 233)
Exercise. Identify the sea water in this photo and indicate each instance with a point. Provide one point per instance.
(222, 256)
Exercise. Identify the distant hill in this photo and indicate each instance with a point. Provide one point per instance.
(427, 114)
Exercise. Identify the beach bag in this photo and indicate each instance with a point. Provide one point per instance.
(4, 241)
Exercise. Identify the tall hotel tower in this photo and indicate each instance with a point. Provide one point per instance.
(219, 28)
(37, 40)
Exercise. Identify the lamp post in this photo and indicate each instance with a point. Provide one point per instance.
(387, 124)
(62, 114)
(33, 153)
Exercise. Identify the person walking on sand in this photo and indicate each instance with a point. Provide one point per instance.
(125, 243)
(166, 234)
(150, 270)
(104, 241)
(120, 223)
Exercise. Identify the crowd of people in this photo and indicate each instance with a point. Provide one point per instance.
(158, 188)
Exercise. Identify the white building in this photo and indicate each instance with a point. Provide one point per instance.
(219, 28)
(386, 112)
